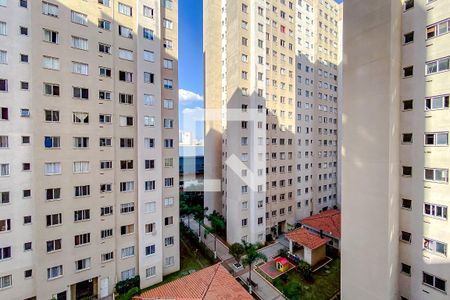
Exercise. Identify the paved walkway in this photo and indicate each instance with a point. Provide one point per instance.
(265, 289)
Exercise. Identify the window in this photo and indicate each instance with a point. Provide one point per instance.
(3, 57)
(125, 32)
(79, 18)
(168, 143)
(104, 119)
(104, 48)
(106, 211)
(126, 99)
(51, 63)
(168, 4)
(168, 44)
(149, 56)
(408, 71)
(168, 64)
(127, 208)
(434, 282)
(80, 142)
(150, 207)
(80, 68)
(82, 239)
(168, 104)
(5, 281)
(80, 93)
(149, 77)
(149, 250)
(28, 273)
(5, 253)
(435, 246)
(3, 30)
(148, 12)
(168, 24)
(407, 204)
(148, 34)
(80, 117)
(149, 143)
(149, 99)
(104, 95)
(436, 139)
(83, 264)
(104, 24)
(150, 272)
(168, 123)
(54, 272)
(169, 261)
(169, 201)
(149, 185)
(105, 142)
(437, 29)
(408, 4)
(127, 186)
(5, 225)
(127, 274)
(125, 54)
(168, 84)
(438, 102)
(4, 198)
(23, 30)
(406, 269)
(53, 245)
(436, 175)
(4, 113)
(149, 164)
(53, 220)
(51, 36)
(438, 65)
(127, 229)
(408, 37)
(107, 257)
(125, 9)
(168, 221)
(244, 222)
(406, 237)
(24, 85)
(24, 112)
(435, 211)
(150, 228)
(51, 89)
(81, 215)
(52, 168)
(26, 193)
(126, 142)
(53, 194)
(407, 138)
(82, 190)
(406, 171)
(125, 76)
(104, 2)
(169, 241)
(4, 141)
(49, 9)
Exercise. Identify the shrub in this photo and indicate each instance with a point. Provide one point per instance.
(305, 269)
(269, 238)
(126, 285)
(129, 295)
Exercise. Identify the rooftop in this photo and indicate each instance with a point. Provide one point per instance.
(328, 221)
(210, 283)
(306, 238)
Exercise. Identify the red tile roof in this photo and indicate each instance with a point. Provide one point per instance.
(328, 221)
(306, 238)
(211, 283)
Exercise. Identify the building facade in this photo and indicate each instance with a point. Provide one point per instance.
(88, 146)
(395, 155)
(271, 78)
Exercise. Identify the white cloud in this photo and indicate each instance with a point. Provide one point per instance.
(185, 95)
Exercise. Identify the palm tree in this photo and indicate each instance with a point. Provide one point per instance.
(251, 256)
(217, 225)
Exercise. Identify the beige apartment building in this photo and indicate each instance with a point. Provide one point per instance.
(395, 155)
(88, 146)
(271, 78)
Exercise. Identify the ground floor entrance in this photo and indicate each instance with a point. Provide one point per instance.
(84, 290)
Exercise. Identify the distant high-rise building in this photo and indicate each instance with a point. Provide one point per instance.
(88, 146)
(271, 99)
(395, 155)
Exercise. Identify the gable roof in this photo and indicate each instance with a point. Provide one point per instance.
(210, 283)
(306, 238)
(328, 221)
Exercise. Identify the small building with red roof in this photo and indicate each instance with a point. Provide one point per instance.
(211, 283)
(307, 246)
(325, 224)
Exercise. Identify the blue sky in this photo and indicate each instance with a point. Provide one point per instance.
(191, 65)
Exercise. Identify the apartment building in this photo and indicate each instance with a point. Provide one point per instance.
(88, 146)
(271, 78)
(395, 155)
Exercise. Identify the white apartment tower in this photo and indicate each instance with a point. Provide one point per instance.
(88, 146)
(271, 78)
(395, 154)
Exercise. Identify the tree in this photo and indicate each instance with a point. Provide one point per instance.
(236, 250)
(217, 225)
(199, 213)
(251, 256)
(186, 209)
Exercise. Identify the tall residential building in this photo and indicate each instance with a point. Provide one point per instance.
(395, 155)
(88, 146)
(271, 78)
